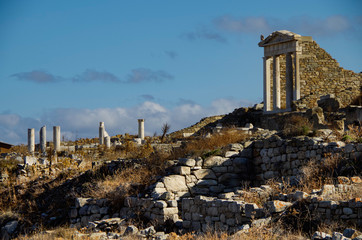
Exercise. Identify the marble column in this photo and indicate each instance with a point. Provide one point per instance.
(56, 138)
(107, 141)
(276, 83)
(296, 93)
(266, 72)
(31, 140)
(101, 133)
(43, 139)
(141, 129)
(289, 80)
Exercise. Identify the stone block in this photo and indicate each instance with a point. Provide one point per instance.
(230, 154)
(131, 230)
(169, 211)
(230, 221)
(186, 224)
(212, 211)
(196, 226)
(182, 170)
(187, 162)
(172, 203)
(235, 147)
(160, 204)
(93, 209)
(175, 183)
(277, 206)
(207, 182)
(347, 211)
(321, 235)
(215, 161)
(204, 174)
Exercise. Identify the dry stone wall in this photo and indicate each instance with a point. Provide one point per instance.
(88, 210)
(280, 158)
(204, 194)
(320, 75)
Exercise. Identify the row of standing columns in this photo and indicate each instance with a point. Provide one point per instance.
(292, 81)
(42, 138)
(104, 138)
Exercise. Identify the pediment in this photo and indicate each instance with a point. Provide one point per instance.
(278, 37)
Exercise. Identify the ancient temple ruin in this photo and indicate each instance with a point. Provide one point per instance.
(297, 70)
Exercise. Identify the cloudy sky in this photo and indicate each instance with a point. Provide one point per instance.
(76, 63)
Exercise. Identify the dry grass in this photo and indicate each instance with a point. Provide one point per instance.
(297, 125)
(59, 233)
(275, 232)
(353, 134)
(200, 146)
(316, 174)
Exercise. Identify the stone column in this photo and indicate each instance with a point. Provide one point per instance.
(107, 141)
(43, 139)
(101, 133)
(141, 129)
(296, 94)
(276, 83)
(289, 80)
(266, 68)
(31, 140)
(56, 138)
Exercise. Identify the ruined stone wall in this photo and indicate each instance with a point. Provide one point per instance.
(320, 74)
(280, 158)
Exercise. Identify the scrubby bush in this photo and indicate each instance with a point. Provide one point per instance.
(297, 125)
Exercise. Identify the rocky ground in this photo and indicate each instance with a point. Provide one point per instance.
(301, 180)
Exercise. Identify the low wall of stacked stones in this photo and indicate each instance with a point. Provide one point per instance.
(276, 158)
(88, 210)
(212, 214)
(179, 196)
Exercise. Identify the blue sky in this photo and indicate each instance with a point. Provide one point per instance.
(76, 63)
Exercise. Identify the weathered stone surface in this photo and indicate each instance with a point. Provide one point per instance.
(214, 161)
(229, 154)
(204, 174)
(131, 230)
(207, 182)
(187, 162)
(80, 202)
(182, 170)
(235, 147)
(321, 236)
(175, 183)
(11, 226)
(277, 206)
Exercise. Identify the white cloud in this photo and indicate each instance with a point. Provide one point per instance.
(84, 122)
